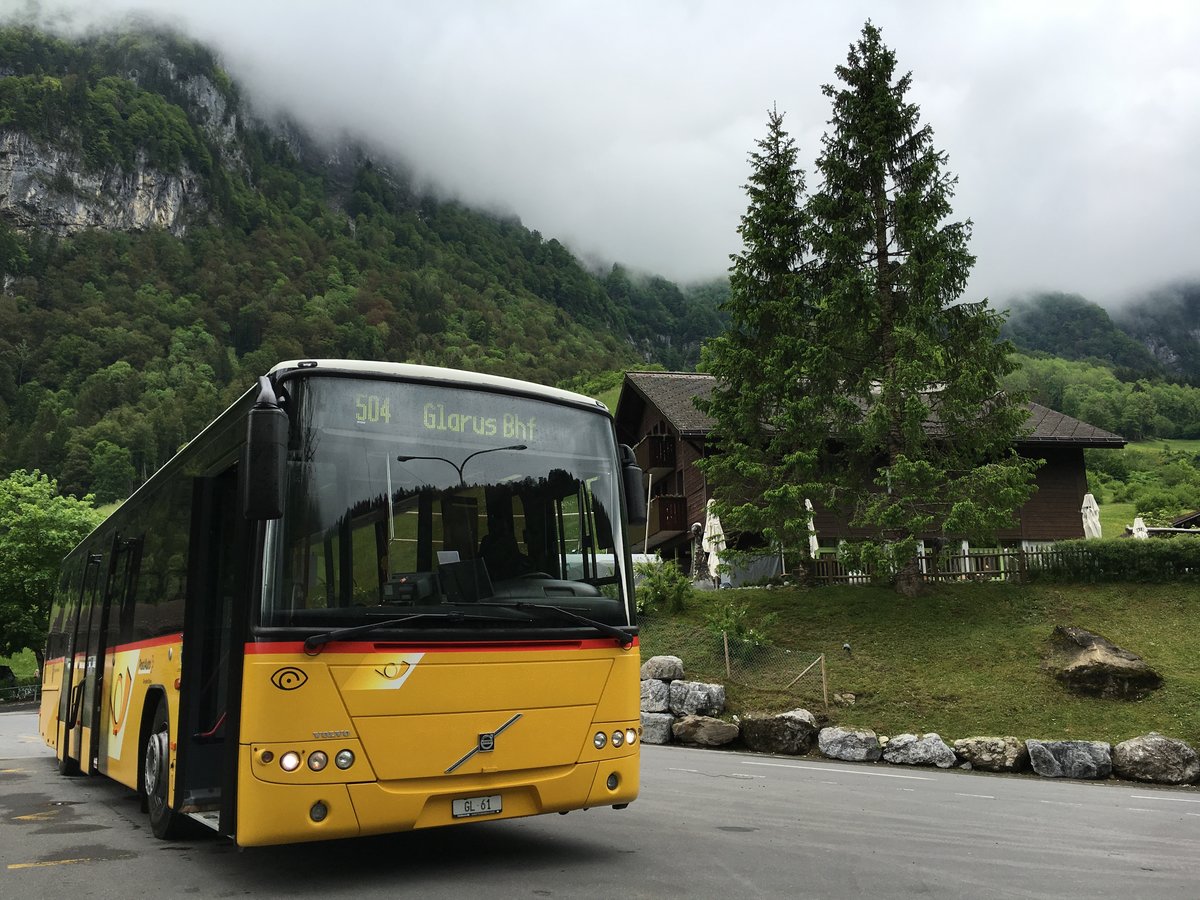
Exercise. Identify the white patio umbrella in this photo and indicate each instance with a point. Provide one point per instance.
(1139, 529)
(713, 542)
(813, 545)
(1091, 517)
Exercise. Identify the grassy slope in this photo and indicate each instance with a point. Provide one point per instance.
(1114, 517)
(967, 659)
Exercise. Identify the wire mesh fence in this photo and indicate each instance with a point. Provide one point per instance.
(766, 671)
(20, 693)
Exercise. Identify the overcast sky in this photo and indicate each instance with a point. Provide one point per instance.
(623, 128)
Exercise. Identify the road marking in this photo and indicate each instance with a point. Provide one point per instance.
(689, 771)
(979, 796)
(52, 862)
(841, 771)
(12, 771)
(37, 816)
(1151, 797)
(1059, 803)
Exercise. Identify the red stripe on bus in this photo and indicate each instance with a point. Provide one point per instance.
(148, 642)
(419, 647)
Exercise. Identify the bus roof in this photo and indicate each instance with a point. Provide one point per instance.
(435, 373)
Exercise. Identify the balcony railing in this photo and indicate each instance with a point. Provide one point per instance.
(656, 455)
(666, 518)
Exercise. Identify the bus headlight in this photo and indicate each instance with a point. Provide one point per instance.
(630, 735)
(618, 738)
(344, 759)
(317, 760)
(290, 761)
(600, 740)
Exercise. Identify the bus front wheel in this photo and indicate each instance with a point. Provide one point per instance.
(156, 778)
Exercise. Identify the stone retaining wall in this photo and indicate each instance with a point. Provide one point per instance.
(680, 711)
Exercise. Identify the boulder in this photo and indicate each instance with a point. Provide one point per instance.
(919, 750)
(1090, 664)
(849, 744)
(664, 668)
(704, 730)
(1155, 758)
(790, 732)
(994, 754)
(695, 698)
(656, 696)
(656, 728)
(1070, 759)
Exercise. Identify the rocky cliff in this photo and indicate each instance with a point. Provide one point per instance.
(47, 188)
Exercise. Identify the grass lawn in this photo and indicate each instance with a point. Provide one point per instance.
(965, 660)
(1159, 444)
(24, 664)
(1114, 517)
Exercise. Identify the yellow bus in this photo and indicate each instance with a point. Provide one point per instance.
(368, 597)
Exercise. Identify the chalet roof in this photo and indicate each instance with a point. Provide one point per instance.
(672, 394)
(1191, 520)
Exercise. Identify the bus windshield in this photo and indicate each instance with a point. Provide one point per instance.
(407, 499)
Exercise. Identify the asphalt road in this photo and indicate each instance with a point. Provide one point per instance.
(708, 824)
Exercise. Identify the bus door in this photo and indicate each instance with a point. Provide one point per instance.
(103, 702)
(75, 669)
(215, 632)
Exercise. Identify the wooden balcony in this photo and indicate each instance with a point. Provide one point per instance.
(667, 518)
(656, 455)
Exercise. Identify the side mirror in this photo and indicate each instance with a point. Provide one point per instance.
(265, 466)
(633, 480)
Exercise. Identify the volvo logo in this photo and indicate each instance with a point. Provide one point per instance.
(485, 744)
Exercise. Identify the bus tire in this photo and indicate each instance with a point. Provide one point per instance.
(165, 822)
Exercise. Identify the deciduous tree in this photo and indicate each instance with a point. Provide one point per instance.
(38, 527)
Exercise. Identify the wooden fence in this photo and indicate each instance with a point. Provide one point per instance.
(1005, 564)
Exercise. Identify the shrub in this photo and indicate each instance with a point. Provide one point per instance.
(1156, 560)
(662, 586)
(731, 620)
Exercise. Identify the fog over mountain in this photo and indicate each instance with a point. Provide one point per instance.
(623, 129)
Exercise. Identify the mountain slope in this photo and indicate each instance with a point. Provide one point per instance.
(1068, 326)
(159, 246)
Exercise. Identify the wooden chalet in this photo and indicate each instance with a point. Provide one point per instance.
(656, 416)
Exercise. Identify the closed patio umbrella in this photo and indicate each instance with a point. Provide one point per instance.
(1091, 517)
(813, 545)
(713, 542)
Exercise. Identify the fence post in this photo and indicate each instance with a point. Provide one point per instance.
(725, 638)
(824, 684)
(1022, 565)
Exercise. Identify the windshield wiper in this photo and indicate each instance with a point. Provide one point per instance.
(623, 638)
(314, 642)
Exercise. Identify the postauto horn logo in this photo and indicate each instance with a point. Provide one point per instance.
(289, 678)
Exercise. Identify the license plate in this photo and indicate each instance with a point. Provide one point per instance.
(465, 807)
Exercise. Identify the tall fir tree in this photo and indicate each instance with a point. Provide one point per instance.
(925, 432)
(767, 434)
(850, 372)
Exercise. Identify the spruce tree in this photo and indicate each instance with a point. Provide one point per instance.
(850, 372)
(766, 443)
(924, 430)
